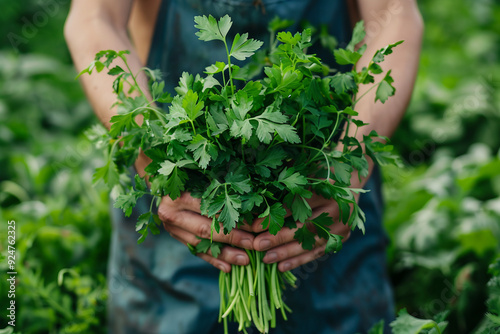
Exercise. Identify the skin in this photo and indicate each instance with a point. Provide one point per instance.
(107, 23)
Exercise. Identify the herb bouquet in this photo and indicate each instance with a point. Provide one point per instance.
(248, 152)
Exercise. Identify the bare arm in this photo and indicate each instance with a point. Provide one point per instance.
(92, 26)
(386, 22)
(95, 25)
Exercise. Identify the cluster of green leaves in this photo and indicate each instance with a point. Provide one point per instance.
(253, 151)
(407, 324)
(449, 243)
(446, 234)
(46, 187)
(453, 108)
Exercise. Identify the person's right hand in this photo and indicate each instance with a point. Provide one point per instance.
(183, 220)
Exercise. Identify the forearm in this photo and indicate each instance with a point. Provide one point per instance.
(102, 29)
(384, 118)
(86, 34)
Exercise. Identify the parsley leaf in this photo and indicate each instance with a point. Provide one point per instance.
(334, 244)
(305, 237)
(274, 218)
(343, 83)
(342, 171)
(301, 210)
(108, 174)
(229, 214)
(358, 34)
(191, 105)
(406, 323)
(126, 202)
(203, 151)
(205, 245)
(210, 29)
(346, 57)
(385, 88)
(243, 47)
(294, 181)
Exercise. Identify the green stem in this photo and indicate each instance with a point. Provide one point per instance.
(158, 114)
(369, 89)
(222, 287)
(113, 147)
(240, 284)
(192, 125)
(437, 328)
(326, 143)
(231, 306)
(324, 155)
(321, 227)
(250, 279)
(274, 288)
(259, 291)
(229, 67)
(263, 296)
(233, 283)
(133, 77)
(303, 129)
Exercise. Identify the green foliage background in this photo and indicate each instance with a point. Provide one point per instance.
(443, 208)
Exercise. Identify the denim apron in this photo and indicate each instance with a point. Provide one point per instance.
(160, 287)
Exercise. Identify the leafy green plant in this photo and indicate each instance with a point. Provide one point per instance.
(453, 109)
(248, 152)
(445, 235)
(45, 186)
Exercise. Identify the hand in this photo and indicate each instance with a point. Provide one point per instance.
(283, 248)
(183, 220)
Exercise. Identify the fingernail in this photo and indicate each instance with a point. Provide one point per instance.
(265, 244)
(240, 260)
(287, 266)
(271, 257)
(247, 243)
(222, 267)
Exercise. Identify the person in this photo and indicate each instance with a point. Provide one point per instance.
(158, 286)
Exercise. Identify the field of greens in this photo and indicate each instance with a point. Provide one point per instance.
(442, 209)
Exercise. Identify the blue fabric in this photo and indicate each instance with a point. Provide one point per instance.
(176, 48)
(159, 287)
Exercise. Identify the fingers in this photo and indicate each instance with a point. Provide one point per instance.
(219, 264)
(292, 255)
(266, 240)
(283, 248)
(301, 259)
(200, 226)
(228, 254)
(181, 218)
(316, 201)
(257, 225)
(184, 202)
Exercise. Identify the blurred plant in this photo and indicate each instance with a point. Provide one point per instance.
(45, 186)
(440, 262)
(446, 235)
(456, 100)
(491, 322)
(443, 212)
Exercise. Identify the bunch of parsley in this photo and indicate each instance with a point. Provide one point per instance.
(248, 152)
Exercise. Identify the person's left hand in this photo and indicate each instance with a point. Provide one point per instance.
(283, 248)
